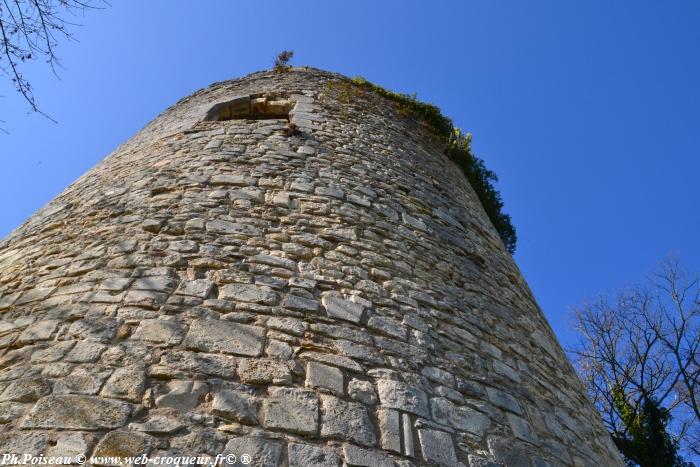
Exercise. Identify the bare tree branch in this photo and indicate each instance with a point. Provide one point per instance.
(645, 340)
(32, 29)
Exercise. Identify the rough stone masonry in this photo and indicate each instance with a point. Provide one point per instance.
(288, 267)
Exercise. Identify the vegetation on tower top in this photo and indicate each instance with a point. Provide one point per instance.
(457, 146)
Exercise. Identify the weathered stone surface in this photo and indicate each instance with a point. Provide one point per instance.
(408, 446)
(195, 288)
(149, 299)
(248, 293)
(390, 429)
(460, 418)
(160, 331)
(263, 452)
(69, 445)
(337, 307)
(264, 371)
(156, 283)
(336, 360)
(295, 302)
(346, 420)
(39, 331)
(11, 410)
(324, 377)
(305, 455)
(77, 413)
(273, 261)
(387, 326)
(25, 390)
(362, 391)
(82, 381)
(356, 456)
(402, 396)
(183, 395)
(34, 295)
(437, 448)
(95, 329)
(235, 405)
(121, 444)
(292, 410)
(157, 424)
(521, 428)
(205, 440)
(226, 227)
(210, 335)
(125, 383)
(223, 366)
(24, 443)
(503, 400)
(53, 352)
(439, 375)
(7, 300)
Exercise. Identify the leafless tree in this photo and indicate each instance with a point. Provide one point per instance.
(31, 30)
(645, 340)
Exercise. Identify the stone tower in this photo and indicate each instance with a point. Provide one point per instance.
(319, 294)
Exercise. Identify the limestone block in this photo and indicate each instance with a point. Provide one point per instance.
(11, 410)
(295, 302)
(521, 428)
(39, 331)
(223, 366)
(346, 420)
(73, 412)
(156, 283)
(232, 228)
(264, 371)
(292, 410)
(461, 418)
(263, 452)
(337, 307)
(25, 390)
(82, 381)
(248, 293)
(305, 455)
(210, 335)
(324, 377)
(53, 353)
(402, 396)
(126, 383)
(160, 331)
(356, 456)
(69, 445)
(362, 391)
(94, 329)
(183, 395)
(438, 448)
(24, 443)
(235, 405)
(503, 400)
(200, 288)
(157, 424)
(390, 429)
(121, 444)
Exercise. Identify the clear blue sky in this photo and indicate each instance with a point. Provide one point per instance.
(588, 111)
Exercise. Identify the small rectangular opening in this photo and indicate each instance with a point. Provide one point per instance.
(251, 107)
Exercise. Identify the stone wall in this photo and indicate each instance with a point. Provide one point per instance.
(331, 297)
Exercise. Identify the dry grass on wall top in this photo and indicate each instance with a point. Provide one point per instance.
(457, 146)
